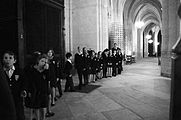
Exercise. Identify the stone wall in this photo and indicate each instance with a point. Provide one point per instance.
(86, 24)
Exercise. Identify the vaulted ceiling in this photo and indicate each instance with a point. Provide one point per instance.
(143, 9)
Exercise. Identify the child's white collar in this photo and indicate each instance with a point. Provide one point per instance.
(69, 60)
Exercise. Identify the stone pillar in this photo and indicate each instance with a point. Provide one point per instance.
(68, 25)
(138, 56)
(175, 101)
(102, 41)
(170, 34)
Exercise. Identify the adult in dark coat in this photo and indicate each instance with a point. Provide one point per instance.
(78, 64)
(115, 47)
(7, 106)
(86, 65)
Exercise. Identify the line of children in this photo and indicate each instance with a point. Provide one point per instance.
(38, 83)
(32, 86)
(94, 66)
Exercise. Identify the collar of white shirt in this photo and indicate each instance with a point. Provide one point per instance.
(69, 60)
(10, 71)
(7, 69)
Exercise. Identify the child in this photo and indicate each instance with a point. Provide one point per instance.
(37, 77)
(114, 63)
(53, 80)
(15, 81)
(93, 66)
(68, 73)
(99, 65)
(109, 64)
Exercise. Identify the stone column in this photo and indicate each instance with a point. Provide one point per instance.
(138, 56)
(68, 25)
(170, 26)
(175, 104)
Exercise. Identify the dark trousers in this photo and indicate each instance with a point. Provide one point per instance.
(120, 68)
(85, 75)
(80, 74)
(69, 84)
(104, 71)
(114, 73)
(19, 110)
(59, 86)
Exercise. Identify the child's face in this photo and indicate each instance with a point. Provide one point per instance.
(50, 54)
(42, 62)
(8, 60)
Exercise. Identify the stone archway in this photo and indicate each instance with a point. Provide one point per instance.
(135, 13)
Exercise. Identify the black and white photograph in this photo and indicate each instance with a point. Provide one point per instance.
(90, 60)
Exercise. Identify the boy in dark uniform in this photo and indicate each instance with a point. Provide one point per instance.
(14, 77)
(109, 64)
(119, 61)
(99, 65)
(93, 65)
(114, 63)
(105, 62)
(7, 109)
(68, 73)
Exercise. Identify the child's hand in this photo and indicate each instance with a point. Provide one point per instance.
(23, 94)
(46, 67)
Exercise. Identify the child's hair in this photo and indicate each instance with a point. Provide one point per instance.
(10, 53)
(68, 55)
(37, 56)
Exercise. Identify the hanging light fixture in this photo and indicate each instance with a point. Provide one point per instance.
(150, 41)
(148, 36)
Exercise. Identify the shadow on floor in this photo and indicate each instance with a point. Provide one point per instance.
(87, 89)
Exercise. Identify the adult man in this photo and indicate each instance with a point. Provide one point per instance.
(115, 48)
(78, 65)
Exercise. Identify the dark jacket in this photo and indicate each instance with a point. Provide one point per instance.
(16, 85)
(68, 68)
(36, 87)
(53, 71)
(78, 61)
(7, 106)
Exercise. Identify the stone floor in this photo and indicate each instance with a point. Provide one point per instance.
(139, 93)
